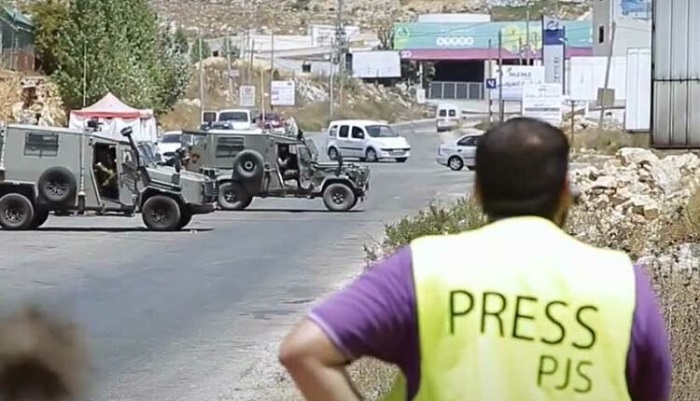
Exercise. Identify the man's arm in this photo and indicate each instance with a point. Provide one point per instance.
(374, 316)
(649, 359)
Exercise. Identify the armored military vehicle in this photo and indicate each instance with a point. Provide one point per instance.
(266, 164)
(45, 169)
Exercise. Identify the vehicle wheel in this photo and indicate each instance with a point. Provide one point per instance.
(371, 155)
(333, 154)
(232, 196)
(57, 186)
(16, 212)
(339, 197)
(161, 213)
(455, 163)
(401, 159)
(40, 217)
(185, 219)
(248, 165)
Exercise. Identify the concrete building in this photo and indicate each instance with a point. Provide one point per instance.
(632, 21)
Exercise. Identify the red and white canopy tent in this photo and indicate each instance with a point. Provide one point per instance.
(115, 115)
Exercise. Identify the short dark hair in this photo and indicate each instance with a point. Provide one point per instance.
(521, 168)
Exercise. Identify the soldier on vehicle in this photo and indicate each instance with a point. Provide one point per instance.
(515, 310)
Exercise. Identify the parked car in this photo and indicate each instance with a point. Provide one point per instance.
(170, 142)
(236, 118)
(447, 116)
(366, 140)
(459, 153)
(272, 121)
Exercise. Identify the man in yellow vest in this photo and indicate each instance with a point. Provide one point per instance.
(515, 311)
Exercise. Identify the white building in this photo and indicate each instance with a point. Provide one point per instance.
(632, 21)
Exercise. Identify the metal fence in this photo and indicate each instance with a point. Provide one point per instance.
(456, 90)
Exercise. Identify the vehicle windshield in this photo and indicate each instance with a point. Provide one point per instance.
(235, 116)
(170, 138)
(381, 131)
(312, 147)
(147, 154)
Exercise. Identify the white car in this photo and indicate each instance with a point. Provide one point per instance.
(447, 117)
(459, 153)
(168, 143)
(366, 140)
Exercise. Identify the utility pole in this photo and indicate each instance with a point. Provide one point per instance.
(501, 103)
(228, 59)
(340, 46)
(607, 74)
(527, 32)
(201, 75)
(490, 75)
(520, 51)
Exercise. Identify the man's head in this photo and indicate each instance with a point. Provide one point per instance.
(522, 170)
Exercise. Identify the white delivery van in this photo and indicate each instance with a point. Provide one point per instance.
(447, 117)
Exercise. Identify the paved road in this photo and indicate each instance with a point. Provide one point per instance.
(187, 315)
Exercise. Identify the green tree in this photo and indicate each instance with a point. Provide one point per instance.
(117, 46)
(176, 70)
(52, 15)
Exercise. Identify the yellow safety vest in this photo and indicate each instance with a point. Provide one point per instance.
(520, 311)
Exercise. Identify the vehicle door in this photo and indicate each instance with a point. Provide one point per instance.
(128, 175)
(304, 160)
(466, 147)
(357, 141)
(344, 143)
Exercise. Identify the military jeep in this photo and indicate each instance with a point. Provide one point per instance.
(50, 169)
(248, 164)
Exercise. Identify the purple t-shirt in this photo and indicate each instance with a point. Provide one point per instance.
(376, 316)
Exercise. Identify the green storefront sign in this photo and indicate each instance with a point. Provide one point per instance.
(476, 35)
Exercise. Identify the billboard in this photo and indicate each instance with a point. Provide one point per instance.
(633, 9)
(450, 35)
(675, 88)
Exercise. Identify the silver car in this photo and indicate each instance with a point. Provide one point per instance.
(459, 153)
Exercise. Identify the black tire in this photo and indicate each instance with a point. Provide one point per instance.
(455, 163)
(333, 154)
(401, 159)
(40, 217)
(371, 155)
(16, 212)
(161, 213)
(57, 186)
(185, 218)
(248, 165)
(339, 197)
(232, 196)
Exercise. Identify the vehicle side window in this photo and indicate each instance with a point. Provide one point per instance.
(357, 133)
(229, 146)
(442, 113)
(333, 131)
(343, 132)
(453, 113)
(468, 141)
(40, 145)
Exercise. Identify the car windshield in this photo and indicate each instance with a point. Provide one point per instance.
(312, 147)
(236, 116)
(147, 154)
(381, 131)
(170, 138)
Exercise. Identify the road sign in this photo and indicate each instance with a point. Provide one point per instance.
(491, 83)
(246, 96)
(543, 101)
(514, 77)
(282, 93)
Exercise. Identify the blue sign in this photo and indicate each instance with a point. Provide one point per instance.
(491, 83)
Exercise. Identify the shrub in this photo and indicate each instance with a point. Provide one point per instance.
(678, 288)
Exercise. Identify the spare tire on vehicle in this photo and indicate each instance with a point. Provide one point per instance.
(248, 166)
(57, 186)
